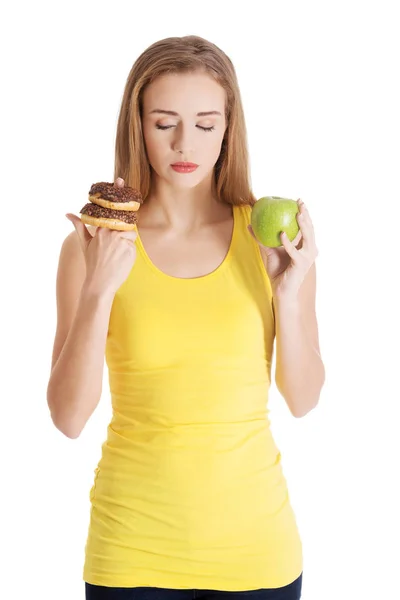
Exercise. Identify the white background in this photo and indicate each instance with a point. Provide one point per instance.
(319, 83)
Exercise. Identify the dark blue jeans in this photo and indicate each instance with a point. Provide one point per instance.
(98, 592)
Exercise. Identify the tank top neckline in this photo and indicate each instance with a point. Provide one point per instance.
(221, 267)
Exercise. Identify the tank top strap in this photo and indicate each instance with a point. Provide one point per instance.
(248, 251)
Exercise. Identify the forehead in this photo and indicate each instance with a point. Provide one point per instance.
(182, 91)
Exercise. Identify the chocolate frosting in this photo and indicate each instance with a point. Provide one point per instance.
(109, 191)
(93, 210)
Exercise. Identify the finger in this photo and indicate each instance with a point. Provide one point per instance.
(129, 242)
(289, 247)
(129, 235)
(119, 182)
(306, 226)
(83, 234)
(297, 239)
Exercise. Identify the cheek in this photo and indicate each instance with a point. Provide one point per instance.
(214, 148)
(153, 146)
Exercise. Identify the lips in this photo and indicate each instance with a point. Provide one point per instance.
(184, 167)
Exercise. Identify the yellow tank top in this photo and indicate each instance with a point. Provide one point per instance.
(189, 491)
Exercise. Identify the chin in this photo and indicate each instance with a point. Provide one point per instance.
(180, 183)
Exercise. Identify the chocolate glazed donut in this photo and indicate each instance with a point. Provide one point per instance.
(112, 207)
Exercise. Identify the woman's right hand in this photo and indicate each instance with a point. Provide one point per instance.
(109, 254)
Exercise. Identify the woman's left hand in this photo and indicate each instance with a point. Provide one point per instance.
(287, 265)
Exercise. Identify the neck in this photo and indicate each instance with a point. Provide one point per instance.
(183, 210)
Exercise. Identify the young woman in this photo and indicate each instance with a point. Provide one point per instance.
(189, 498)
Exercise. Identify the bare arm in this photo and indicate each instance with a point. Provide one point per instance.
(300, 372)
(75, 383)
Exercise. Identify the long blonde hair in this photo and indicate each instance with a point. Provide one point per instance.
(174, 55)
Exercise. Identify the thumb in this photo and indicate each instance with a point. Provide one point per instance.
(83, 234)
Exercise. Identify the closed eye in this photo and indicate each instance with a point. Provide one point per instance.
(199, 126)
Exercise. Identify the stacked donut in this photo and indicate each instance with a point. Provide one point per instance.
(112, 207)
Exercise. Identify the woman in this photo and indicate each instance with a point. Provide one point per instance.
(189, 498)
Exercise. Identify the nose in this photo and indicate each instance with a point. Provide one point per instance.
(183, 142)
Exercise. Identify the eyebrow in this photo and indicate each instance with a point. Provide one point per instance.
(175, 114)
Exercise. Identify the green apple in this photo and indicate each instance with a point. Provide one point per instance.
(270, 216)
